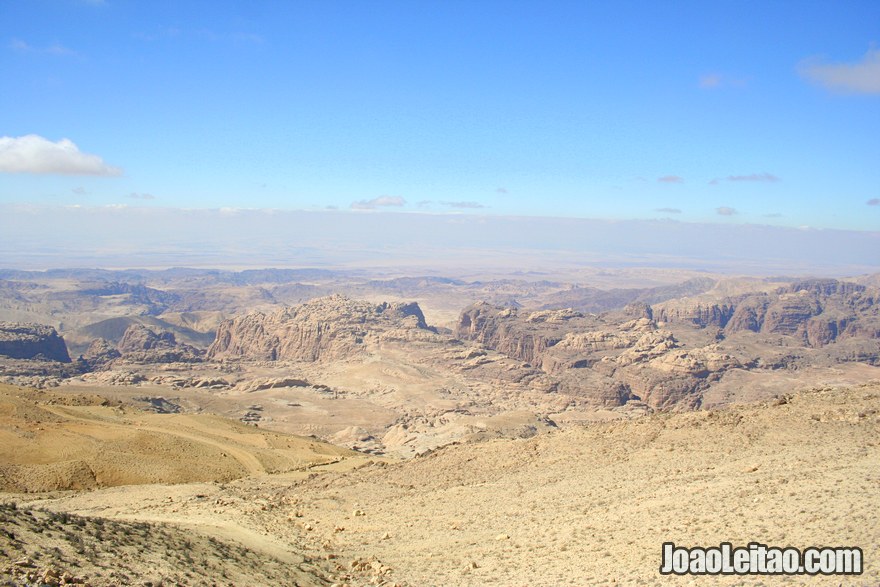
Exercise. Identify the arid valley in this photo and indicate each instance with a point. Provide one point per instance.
(318, 427)
(326, 293)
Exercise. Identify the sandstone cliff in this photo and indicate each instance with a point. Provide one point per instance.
(32, 341)
(100, 353)
(520, 335)
(599, 359)
(332, 327)
(816, 312)
(699, 314)
(139, 344)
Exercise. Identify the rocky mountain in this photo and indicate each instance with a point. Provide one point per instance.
(606, 360)
(113, 329)
(32, 341)
(699, 314)
(815, 312)
(100, 353)
(332, 327)
(670, 355)
(138, 293)
(520, 335)
(592, 299)
(141, 345)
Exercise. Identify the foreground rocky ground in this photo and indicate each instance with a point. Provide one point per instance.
(587, 505)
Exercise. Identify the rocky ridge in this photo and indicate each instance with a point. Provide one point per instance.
(32, 341)
(816, 312)
(608, 361)
(140, 344)
(328, 328)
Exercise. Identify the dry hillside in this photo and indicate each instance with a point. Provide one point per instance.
(63, 441)
(586, 505)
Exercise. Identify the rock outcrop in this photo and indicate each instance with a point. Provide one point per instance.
(520, 335)
(326, 328)
(605, 364)
(32, 341)
(817, 312)
(702, 315)
(749, 314)
(139, 344)
(100, 353)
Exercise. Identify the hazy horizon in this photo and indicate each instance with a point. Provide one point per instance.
(127, 237)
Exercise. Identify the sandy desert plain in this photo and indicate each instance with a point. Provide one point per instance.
(321, 427)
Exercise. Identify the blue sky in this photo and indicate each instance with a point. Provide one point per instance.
(730, 112)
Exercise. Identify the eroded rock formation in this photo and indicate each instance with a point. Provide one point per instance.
(816, 312)
(32, 341)
(332, 327)
(139, 344)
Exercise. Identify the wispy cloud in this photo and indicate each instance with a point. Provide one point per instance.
(424, 203)
(501, 191)
(472, 205)
(56, 49)
(137, 196)
(862, 77)
(874, 202)
(725, 211)
(670, 179)
(754, 177)
(773, 215)
(668, 210)
(768, 177)
(378, 202)
(80, 191)
(173, 32)
(713, 81)
(35, 154)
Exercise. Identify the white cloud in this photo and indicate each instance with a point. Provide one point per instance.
(671, 179)
(140, 196)
(57, 49)
(859, 78)
(377, 202)
(35, 154)
(725, 211)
